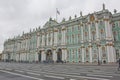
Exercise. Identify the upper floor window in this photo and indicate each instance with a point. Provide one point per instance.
(93, 35)
(103, 50)
(59, 30)
(93, 25)
(86, 36)
(78, 27)
(73, 28)
(86, 50)
(67, 29)
(101, 23)
(116, 24)
(113, 25)
(86, 27)
(102, 34)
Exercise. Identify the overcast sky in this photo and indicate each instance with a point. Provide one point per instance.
(17, 16)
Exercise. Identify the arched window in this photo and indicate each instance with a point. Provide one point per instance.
(67, 29)
(115, 35)
(102, 34)
(86, 36)
(87, 54)
(103, 52)
(79, 53)
(86, 27)
(113, 25)
(78, 27)
(93, 35)
(86, 50)
(93, 25)
(101, 23)
(73, 28)
(78, 38)
(117, 53)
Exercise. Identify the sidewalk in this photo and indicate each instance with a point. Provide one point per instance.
(88, 64)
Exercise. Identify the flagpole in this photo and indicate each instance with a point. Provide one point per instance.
(56, 14)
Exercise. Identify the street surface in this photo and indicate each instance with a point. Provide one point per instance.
(27, 71)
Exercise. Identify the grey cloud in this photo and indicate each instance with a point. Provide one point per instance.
(21, 15)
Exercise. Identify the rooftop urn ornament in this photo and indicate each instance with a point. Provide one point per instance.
(39, 27)
(103, 6)
(75, 16)
(70, 18)
(50, 19)
(63, 20)
(23, 32)
(115, 11)
(30, 30)
(36, 29)
(33, 30)
(80, 13)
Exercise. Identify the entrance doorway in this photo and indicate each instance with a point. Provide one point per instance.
(49, 56)
(59, 55)
(39, 56)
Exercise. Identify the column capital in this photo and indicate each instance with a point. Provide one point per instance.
(96, 21)
(88, 23)
(106, 19)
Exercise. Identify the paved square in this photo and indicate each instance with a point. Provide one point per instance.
(22, 71)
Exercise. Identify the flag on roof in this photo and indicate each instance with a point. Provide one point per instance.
(58, 12)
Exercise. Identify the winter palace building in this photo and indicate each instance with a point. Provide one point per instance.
(90, 38)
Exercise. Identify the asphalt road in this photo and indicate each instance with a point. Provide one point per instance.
(22, 71)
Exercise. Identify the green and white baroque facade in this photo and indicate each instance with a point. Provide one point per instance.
(85, 39)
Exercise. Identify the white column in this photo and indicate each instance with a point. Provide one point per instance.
(63, 55)
(36, 56)
(54, 55)
(16, 57)
(90, 54)
(55, 38)
(97, 31)
(108, 53)
(20, 56)
(23, 56)
(38, 41)
(43, 56)
(64, 37)
(27, 56)
(47, 38)
(83, 57)
(106, 29)
(89, 27)
(112, 57)
(43, 40)
(82, 33)
(51, 34)
(99, 51)
(109, 32)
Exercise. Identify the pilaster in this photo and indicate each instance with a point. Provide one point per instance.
(97, 30)
(90, 48)
(54, 55)
(89, 28)
(83, 56)
(82, 33)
